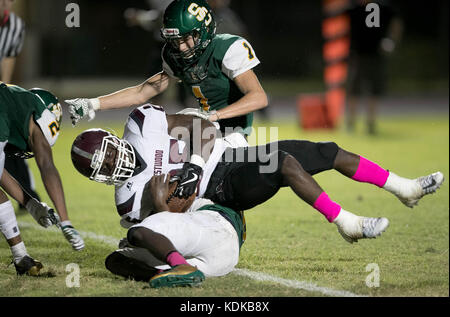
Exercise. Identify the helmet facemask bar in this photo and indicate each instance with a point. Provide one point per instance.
(189, 53)
(124, 163)
(201, 37)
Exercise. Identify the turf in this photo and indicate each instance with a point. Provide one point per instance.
(285, 237)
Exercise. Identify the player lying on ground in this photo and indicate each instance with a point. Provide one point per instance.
(150, 146)
(204, 241)
(29, 126)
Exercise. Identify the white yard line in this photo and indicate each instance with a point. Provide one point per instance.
(258, 276)
(307, 286)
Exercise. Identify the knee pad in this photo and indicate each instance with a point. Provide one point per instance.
(8, 221)
(328, 150)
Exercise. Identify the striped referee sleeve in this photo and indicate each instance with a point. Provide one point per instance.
(12, 37)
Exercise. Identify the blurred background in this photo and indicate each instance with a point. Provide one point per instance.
(109, 51)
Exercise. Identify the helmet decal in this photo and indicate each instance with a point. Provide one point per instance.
(200, 13)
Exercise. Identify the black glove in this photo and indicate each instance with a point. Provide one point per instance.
(189, 177)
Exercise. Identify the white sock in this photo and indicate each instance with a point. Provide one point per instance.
(345, 217)
(18, 251)
(8, 221)
(401, 186)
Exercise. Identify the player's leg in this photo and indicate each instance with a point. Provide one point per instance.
(408, 191)
(23, 263)
(156, 235)
(246, 185)
(350, 226)
(131, 263)
(322, 156)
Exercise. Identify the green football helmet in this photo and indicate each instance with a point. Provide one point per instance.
(188, 17)
(50, 101)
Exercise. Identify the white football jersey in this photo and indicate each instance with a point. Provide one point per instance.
(157, 153)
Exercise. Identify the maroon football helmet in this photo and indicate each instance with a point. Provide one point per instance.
(88, 156)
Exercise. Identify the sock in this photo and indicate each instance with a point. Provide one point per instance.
(66, 223)
(18, 251)
(327, 207)
(8, 221)
(402, 186)
(174, 258)
(369, 172)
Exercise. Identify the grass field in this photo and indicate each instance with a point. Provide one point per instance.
(286, 238)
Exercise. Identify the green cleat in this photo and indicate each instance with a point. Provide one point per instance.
(180, 275)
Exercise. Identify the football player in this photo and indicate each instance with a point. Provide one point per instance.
(29, 126)
(178, 249)
(229, 174)
(155, 144)
(216, 68)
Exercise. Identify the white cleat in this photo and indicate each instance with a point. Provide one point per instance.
(352, 227)
(419, 187)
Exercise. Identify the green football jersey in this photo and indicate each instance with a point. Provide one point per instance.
(17, 106)
(210, 80)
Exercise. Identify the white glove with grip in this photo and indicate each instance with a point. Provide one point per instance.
(43, 214)
(79, 108)
(194, 112)
(198, 113)
(73, 237)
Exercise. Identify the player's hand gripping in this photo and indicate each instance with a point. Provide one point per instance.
(43, 214)
(188, 178)
(158, 189)
(73, 237)
(80, 108)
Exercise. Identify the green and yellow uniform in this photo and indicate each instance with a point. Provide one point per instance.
(17, 106)
(211, 79)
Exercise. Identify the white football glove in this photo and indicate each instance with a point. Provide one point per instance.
(43, 214)
(194, 112)
(79, 108)
(198, 113)
(73, 237)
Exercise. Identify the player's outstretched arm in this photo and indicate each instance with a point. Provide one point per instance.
(83, 107)
(52, 182)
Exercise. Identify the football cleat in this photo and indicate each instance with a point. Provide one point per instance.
(180, 275)
(28, 266)
(352, 227)
(420, 187)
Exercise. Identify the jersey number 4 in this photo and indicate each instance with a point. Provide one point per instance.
(201, 98)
